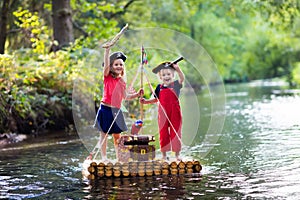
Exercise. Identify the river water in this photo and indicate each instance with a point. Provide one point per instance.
(257, 156)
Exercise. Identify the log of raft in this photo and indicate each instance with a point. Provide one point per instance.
(96, 170)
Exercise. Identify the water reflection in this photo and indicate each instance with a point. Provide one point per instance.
(163, 187)
(168, 187)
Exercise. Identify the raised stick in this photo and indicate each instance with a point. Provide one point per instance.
(116, 38)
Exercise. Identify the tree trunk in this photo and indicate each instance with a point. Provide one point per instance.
(62, 23)
(3, 25)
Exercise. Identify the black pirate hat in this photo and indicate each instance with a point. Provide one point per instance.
(164, 65)
(117, 55)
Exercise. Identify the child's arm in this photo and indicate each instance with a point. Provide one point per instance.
(129, 96)
(148, 101)
(179, 72)
(106, 61)
(107, 47)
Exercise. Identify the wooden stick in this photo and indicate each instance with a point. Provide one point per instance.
(116, 38)
(142, 83)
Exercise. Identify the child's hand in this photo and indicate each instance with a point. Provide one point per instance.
(176, 66)
(141, 92)
(107, 45)
(142, 100)
(131, 90)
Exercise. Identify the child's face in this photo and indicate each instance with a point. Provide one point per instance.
(118, 66)
(166, 75)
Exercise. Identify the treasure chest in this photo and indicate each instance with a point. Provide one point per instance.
(136, 148)
(136, 139)
(142, 152)
(129, 153)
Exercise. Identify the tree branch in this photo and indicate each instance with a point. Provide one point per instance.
(112, 15)
(80, 29)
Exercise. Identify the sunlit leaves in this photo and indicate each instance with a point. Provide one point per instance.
(33, 29)
(28, 83)
(296, 73)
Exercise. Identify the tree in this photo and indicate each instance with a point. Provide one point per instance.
(3, 25)
(62, 23)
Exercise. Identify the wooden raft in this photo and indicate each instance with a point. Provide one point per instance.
(95, 170)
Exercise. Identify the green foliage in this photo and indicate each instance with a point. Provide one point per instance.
(35, 32)
(240, 40)
(167, 14)
(279, 13)
(36, 91)
(246, 39)
(92, 16)
(296, 74)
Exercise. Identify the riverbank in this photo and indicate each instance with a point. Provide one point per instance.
(14, 141)
(11, 138)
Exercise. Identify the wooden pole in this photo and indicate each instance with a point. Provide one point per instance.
(142, 80)
(142, 83)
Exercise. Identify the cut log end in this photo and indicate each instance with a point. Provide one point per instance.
(141, 169)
